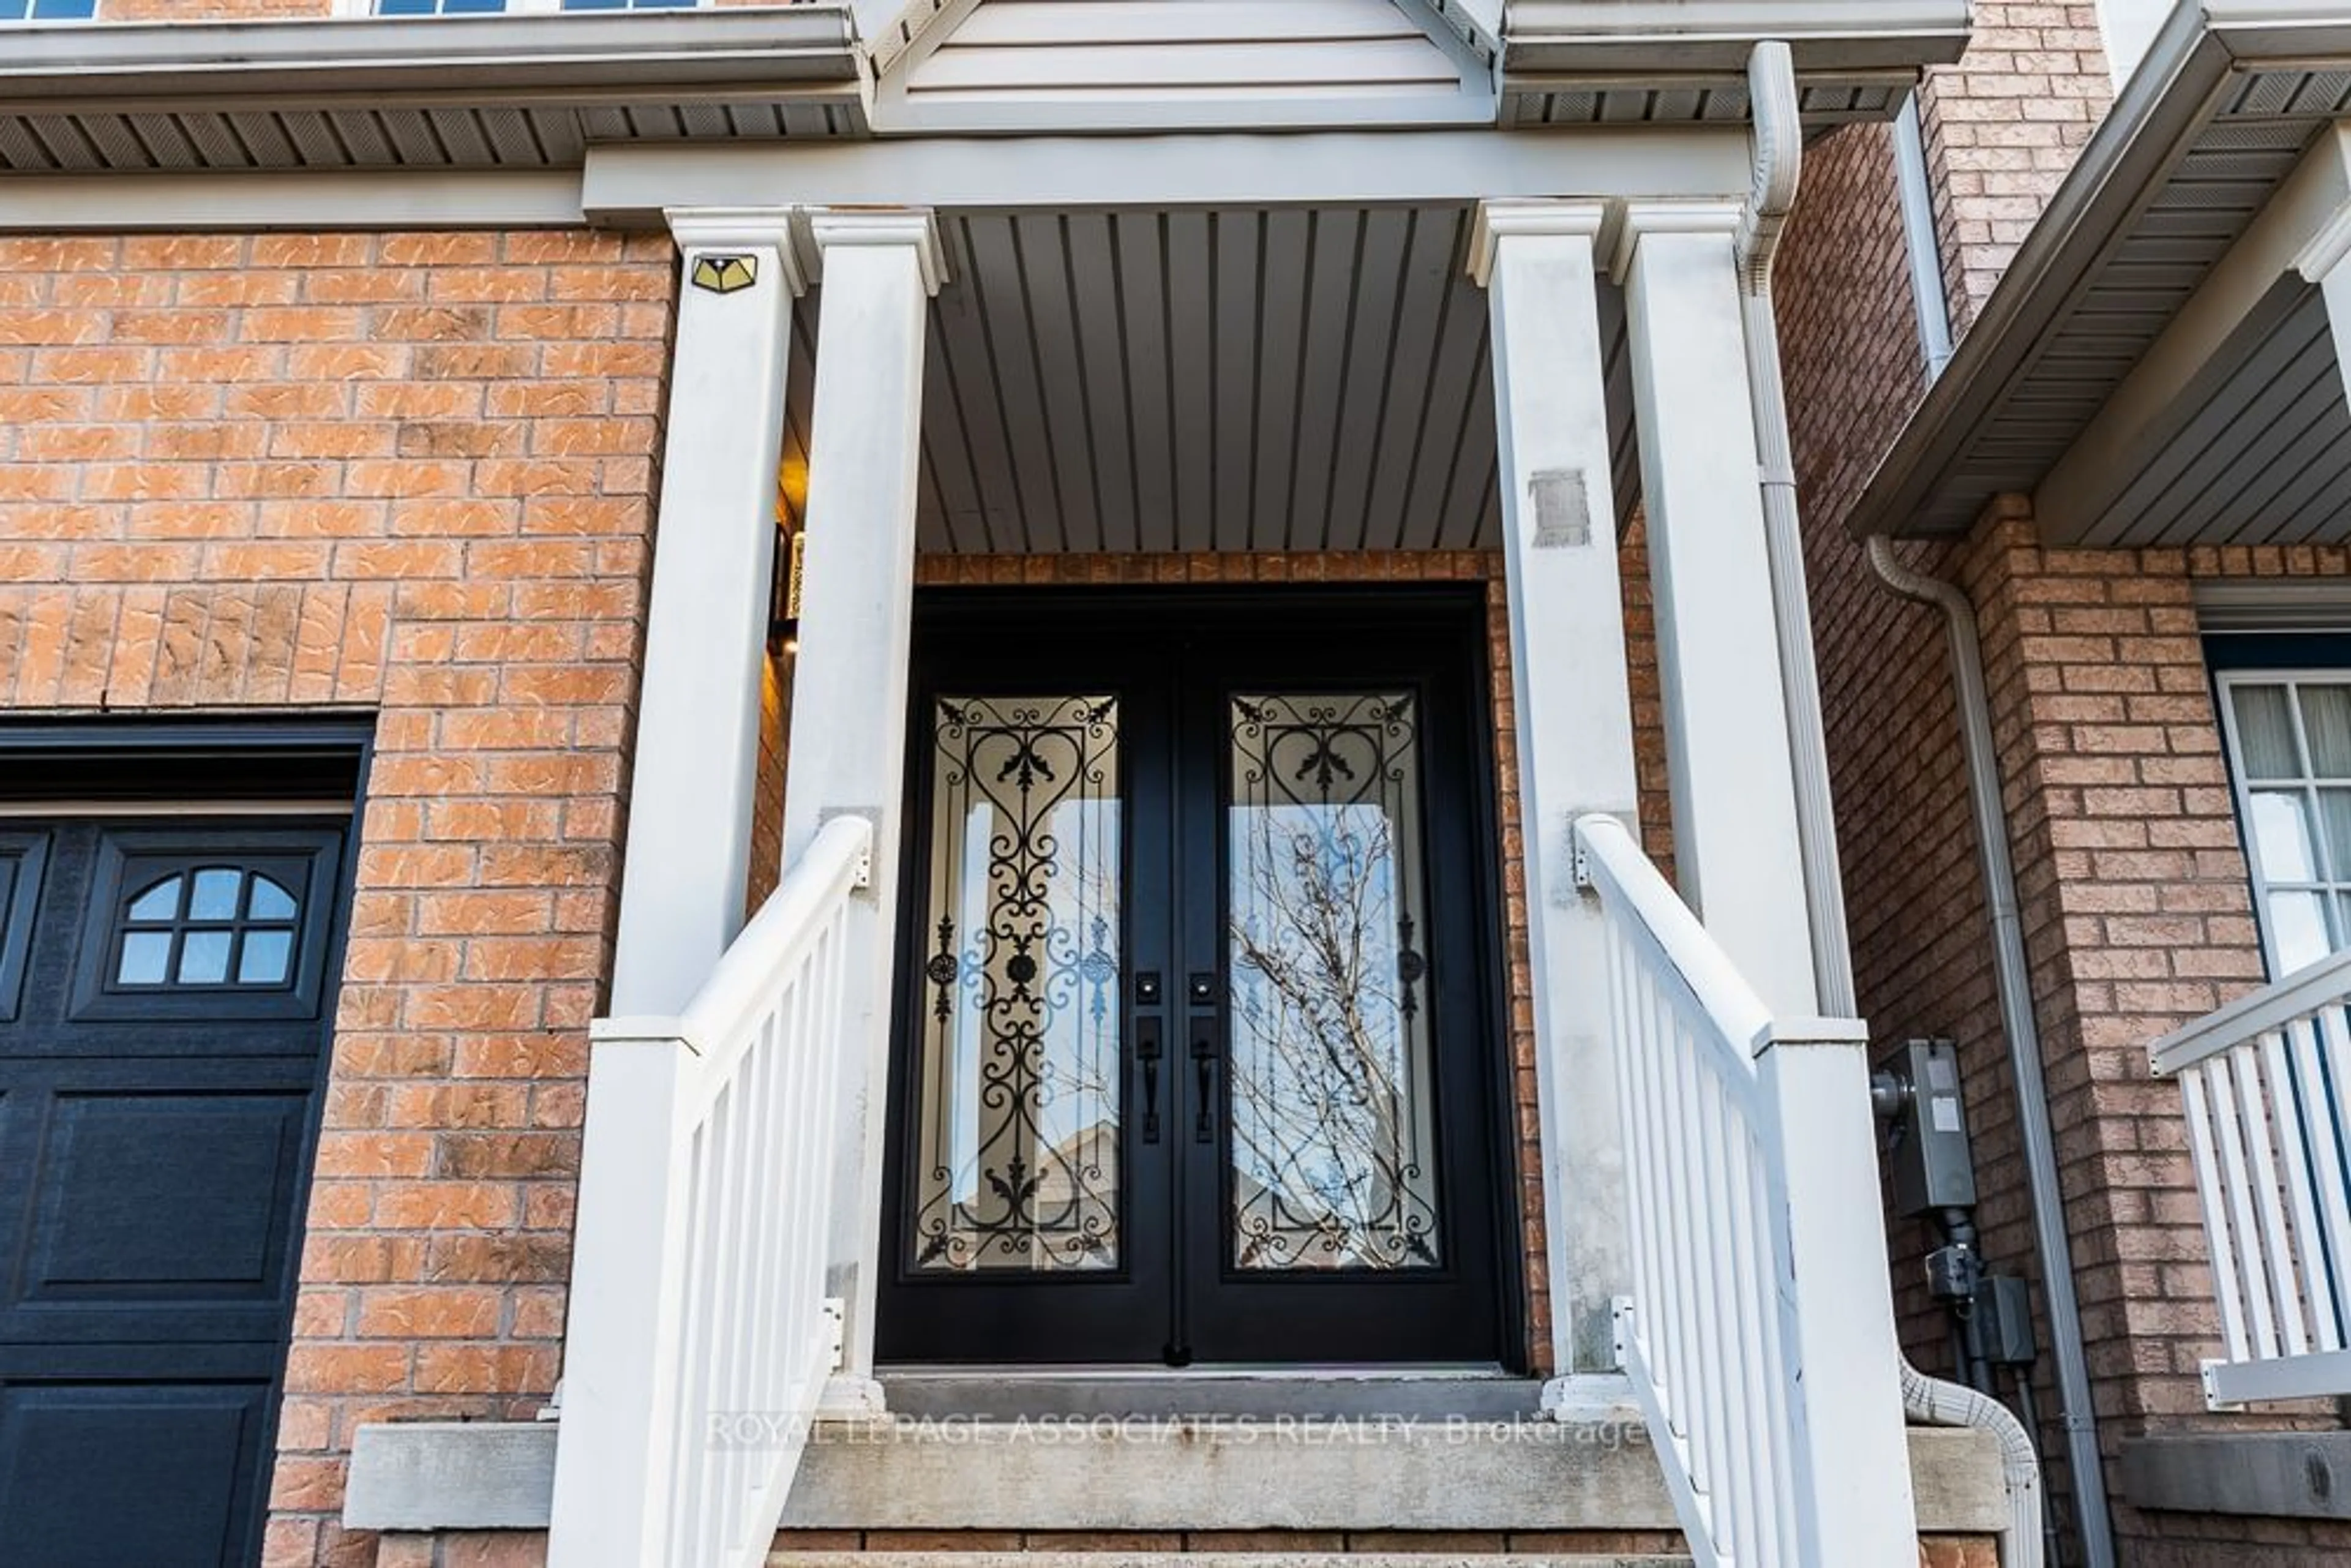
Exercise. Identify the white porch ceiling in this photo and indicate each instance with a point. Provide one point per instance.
(2266, 460)
(1239, 379)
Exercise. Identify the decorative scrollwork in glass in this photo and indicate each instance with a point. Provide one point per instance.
(1017, 1147)
(1332, 1108)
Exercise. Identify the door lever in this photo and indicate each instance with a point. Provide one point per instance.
(1147, 1048)
(1200, 993)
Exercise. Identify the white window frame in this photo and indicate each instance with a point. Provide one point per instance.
(89, 20)
(2334, 882)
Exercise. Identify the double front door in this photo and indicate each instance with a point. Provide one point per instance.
(1197, 1059)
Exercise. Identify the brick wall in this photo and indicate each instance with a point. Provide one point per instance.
(411, 474)
(2002, 126)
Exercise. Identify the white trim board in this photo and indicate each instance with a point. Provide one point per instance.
(374, 199)
(630, 186)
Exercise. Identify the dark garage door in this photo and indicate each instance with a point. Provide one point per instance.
(165, 996)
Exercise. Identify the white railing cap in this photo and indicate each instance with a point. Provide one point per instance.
(2300, 994)
(1614, 861)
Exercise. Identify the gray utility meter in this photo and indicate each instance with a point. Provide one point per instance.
(1927, 1140)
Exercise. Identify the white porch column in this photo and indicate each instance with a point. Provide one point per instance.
(689, 845)
(849, 686)
(1573, 722)
(2327, 261)
(1737, 853)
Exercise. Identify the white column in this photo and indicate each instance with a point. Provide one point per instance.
(849, 685)
(697, 756)
(2327, 261)
(1737, 853)
(1572, 716)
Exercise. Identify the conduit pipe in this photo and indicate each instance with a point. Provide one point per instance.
(1779, 163)
(2011, 979)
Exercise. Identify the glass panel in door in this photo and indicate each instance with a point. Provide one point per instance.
(1332, 1106)
(1018, 1076)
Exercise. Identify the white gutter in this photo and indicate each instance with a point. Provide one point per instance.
(1920, 243)
(762, 49)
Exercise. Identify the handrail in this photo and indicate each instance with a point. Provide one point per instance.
(700, 1335)
(2266, 1085)
(1758, 1335)
(2274, 1006)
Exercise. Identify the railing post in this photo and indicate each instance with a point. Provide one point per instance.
(615, 1460)
(1851, 1460)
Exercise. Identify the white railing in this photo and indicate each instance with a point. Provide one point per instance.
(1750, 1169)
(700, 1336)
(2267, 1086)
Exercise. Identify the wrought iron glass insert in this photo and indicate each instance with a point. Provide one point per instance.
(1016, 1149)
(1331, 1111)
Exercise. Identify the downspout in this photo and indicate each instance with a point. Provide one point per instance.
(1999, 870)
(1778, 161)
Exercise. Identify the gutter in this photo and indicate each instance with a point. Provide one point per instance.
(755, 49)
(2187, 71)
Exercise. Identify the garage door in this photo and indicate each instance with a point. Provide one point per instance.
(165, 998)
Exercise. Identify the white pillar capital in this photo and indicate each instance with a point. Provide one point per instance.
(1508, 217)
(767, 230)
(842, 228)
(1638, 221)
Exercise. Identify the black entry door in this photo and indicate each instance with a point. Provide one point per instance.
(163, 1001)
(1197, 1059)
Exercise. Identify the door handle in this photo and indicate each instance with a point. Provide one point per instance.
(1200, 993)
(1148, 1047)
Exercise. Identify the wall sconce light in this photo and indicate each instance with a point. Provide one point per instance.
(784, 594)
(784, 599)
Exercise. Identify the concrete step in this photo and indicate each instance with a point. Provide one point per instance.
(993, 1394)
(804, 1559)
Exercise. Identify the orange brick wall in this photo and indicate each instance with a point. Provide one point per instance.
(411, 474)
(2002, 126)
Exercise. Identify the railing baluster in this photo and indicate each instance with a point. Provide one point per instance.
(2238, 1183)
(2327, 1052)
(737, 1259)
(1716, 1325)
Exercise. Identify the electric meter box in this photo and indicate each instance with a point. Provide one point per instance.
(1927, 1145)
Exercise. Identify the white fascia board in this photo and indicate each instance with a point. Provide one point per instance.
(2238, 302)
(389, 199)
(2168, 102)
(630, 186)
(1577, 37)
(501, 55)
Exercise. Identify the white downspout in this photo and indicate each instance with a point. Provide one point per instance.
(1919, 243)
(1779, 160)
(2014, 985)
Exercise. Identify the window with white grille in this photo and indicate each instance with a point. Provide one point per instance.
(2289, 738)
(48, 10)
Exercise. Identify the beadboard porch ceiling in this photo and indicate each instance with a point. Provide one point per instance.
(1234, 379)
(2230, 99)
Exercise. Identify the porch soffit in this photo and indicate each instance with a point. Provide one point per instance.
(1239, 379)
(2225, 106)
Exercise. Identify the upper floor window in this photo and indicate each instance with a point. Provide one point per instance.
(493, 7)
(2289, 736)
(48, 10)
